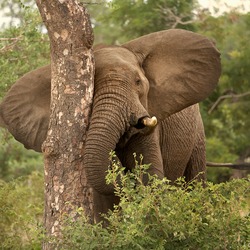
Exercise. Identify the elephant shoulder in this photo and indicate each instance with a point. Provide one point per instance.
(184, 118)
(182, 127)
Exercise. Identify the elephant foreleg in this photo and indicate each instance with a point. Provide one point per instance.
(196, 167)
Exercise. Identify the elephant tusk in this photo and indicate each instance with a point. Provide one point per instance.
(150, 122)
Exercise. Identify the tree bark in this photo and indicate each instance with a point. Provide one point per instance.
(72, 65)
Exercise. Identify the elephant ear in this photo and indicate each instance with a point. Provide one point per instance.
(25, 109)
(182, 67)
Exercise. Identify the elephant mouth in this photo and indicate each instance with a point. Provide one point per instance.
(144, 125)
(140, 125)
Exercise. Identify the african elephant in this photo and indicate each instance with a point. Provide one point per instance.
(163, 74)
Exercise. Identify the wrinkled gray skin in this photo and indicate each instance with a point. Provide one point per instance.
(164, 74)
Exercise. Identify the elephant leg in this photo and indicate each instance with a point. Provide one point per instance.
(176, 147)
(102, 204)
(147, 146)
(196, 167)
(182, 143)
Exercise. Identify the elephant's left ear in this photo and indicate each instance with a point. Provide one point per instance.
(25, 109)
(182, 67)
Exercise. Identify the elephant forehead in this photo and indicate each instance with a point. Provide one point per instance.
(114, 57)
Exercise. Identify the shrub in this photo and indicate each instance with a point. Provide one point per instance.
(154, 216)
(21, 210)
(15, 160)
(164, 216)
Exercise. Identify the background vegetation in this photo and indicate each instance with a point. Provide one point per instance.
(24, 46)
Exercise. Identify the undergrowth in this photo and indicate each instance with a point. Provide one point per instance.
(158, 215)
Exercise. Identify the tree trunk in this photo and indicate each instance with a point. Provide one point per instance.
(71, 40)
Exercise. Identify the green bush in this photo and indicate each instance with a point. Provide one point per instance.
(15, 160)
(21, 210)
(24, 48)
(154, 216)
(164, 216)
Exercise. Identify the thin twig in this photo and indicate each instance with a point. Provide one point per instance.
(170, 16)
(7, 47)
(9, 38)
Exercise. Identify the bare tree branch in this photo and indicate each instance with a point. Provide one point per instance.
(240, 166)
(169, 16)
(223, 97)
(10, 38)
(11, 45)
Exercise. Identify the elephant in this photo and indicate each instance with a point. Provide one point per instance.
(146, 101)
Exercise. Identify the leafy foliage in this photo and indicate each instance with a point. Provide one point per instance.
(137, 18)
(23, 48)
(21, 209)
(15, 160)
(164, 216)
(156, 216)
(228, 124)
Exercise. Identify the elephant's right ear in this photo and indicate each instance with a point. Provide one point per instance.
(182, 67)
(25, 109)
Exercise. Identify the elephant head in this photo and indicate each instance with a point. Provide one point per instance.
(155, 75)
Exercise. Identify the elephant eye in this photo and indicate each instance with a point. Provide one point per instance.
(138, 81)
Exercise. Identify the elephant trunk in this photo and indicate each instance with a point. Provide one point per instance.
(107, 125)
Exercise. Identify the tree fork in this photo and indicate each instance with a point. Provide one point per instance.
(72, 67)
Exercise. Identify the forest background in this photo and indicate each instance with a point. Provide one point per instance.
(24, 46)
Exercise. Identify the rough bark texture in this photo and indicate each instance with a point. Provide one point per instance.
(71, 39)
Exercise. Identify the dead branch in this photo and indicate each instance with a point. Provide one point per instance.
(223, 97)
(239, 166)
(170, 16)
(11, 45)
(9, 38)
